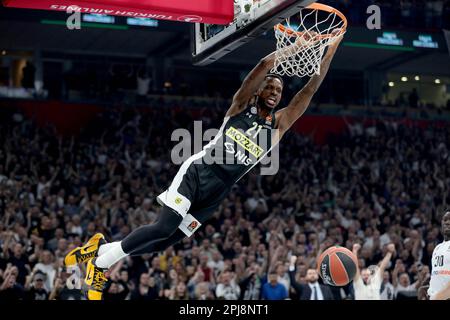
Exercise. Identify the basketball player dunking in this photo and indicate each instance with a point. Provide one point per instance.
(202, 182)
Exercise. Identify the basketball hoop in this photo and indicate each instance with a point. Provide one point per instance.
(302, 40)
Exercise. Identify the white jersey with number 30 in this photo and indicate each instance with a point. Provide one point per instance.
(440, 273)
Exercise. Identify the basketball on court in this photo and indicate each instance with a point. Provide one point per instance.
(337, 266)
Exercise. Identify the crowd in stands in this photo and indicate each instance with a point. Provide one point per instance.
(370, 185)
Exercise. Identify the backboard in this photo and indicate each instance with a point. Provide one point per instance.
(252, 18)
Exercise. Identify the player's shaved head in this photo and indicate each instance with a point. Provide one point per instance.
(275, 76)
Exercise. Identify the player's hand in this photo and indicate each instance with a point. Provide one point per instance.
(335, 32)
(337, 40)
(306, 39)
(309, 35)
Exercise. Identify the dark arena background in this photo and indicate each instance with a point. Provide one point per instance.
(87, 116)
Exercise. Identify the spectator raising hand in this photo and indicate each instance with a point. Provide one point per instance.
(367, 282)
(227, 288)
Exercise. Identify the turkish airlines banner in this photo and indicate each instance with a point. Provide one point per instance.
(205, 11)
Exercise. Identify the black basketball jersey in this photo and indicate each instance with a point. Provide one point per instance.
(242, 141)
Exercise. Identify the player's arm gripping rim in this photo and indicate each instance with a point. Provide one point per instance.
(254, 79)
(250, 85)
(287, 116)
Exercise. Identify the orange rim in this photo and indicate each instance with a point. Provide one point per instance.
(322, 7)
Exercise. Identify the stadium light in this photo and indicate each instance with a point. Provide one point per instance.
(437, 81)
(391, 84)
(404, 79)
(417, 78)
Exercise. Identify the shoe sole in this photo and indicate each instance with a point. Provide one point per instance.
(91, 294)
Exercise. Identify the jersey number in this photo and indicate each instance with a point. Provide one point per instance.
(439, 261)
(253, 128)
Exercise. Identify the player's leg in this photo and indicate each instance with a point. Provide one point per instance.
(162, 244)
(212, 192)
(139, 243)
(164, 227)
(159, 245)
(108, 254)
(176, 202)
(200, 215)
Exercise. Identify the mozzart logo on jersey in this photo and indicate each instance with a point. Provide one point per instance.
(244, 141)
(231, 146)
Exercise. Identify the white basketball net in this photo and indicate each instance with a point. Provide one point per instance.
(300, 48)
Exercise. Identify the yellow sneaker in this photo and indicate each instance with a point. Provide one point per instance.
(95, 281)
(86, 252)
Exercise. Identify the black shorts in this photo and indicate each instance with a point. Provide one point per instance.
(195, 193)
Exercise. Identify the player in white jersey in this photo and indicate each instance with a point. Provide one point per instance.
(440, 273)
